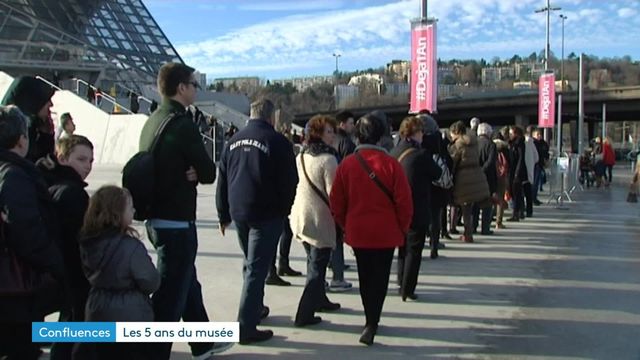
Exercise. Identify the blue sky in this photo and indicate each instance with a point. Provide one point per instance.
(284, 38)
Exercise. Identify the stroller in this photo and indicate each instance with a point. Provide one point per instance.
(587, 170)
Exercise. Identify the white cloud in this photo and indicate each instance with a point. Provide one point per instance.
(371, 36)
(626, 12)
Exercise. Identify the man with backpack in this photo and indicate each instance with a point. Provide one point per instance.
(171, 219)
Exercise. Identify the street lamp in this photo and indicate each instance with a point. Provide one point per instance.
(563, 17)
(548, 9)
(337, 56)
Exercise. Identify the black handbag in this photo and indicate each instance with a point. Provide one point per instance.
(16, 277)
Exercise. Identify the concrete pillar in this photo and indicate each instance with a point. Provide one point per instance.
(522, 121)
(573, 130)
(591, 131)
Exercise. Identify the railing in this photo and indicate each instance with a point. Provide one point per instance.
(105, 96)
(129, 91)
(48, 82)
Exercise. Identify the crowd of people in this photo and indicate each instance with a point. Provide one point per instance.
(346, 174)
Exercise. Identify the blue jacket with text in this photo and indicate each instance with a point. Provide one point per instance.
(257, 175)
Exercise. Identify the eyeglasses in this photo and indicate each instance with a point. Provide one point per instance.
(195, 84)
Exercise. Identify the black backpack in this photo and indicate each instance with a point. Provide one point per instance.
(138, 176)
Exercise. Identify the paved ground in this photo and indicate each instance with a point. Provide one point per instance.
(563, 284)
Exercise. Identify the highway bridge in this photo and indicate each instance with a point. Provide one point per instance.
(520, 107)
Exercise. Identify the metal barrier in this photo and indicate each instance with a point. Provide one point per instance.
(563, 178)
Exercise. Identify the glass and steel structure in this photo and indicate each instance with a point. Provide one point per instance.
(100, 41)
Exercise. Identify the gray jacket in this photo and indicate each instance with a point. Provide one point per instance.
(121, 275)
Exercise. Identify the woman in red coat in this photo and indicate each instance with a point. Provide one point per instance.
(375, 221)
(609, 159)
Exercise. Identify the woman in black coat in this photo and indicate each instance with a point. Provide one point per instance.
(420, 169)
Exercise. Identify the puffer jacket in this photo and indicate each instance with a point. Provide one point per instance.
(469, 182)
(122, 277)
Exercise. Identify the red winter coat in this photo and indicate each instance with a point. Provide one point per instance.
(363, 210)
(608, 155)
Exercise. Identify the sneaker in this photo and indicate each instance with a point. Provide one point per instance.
(215, 349)
(340, 286)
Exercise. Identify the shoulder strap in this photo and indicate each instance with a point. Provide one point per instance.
(405, 153)
(160, 131)
(315, 188)
(373, 176)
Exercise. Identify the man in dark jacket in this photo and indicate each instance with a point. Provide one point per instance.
(518, 173)
(65, 175)
(488, 158)
(33, 97)
(543, 155)
(345, 147)
(28, 222)
(256, 189)
(181, 163)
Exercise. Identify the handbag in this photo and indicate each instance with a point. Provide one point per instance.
(16, 277)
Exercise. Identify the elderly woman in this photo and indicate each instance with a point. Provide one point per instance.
(421, 170)
(311, 220)
(469, 183)
(371, 201)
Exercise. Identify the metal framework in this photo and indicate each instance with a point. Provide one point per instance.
(114, 40)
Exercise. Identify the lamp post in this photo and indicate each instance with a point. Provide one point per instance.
(563, 17)
(548, 9)
(337, 56)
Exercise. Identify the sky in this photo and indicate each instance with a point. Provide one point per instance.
(276, 39)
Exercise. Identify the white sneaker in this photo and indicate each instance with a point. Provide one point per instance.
(216, 349)
(340, 286)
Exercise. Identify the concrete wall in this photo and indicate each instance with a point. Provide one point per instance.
(114, 137)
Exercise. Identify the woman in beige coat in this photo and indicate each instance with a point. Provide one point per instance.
(311, 221)
(469, 182)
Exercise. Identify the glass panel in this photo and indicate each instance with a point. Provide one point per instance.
(120, 35)
(141, 29)
(127, 45)
(134, 19)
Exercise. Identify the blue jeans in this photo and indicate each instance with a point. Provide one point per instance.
(180, 293)
(314, 295)
(258, 242)
(537, 180)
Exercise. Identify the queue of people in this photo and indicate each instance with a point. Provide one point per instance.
(347, 175)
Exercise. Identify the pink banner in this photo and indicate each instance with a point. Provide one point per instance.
(546, 100)
(424, 68)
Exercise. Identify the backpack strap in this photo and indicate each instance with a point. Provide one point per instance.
(160, 131)
(313, 186)
(373, 177)
(405, 153)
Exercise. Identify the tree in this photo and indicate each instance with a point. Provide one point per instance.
(533, 57)
(515, 59)
(572, 56)
(219, 86)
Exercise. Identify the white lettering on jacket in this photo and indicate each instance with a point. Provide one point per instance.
(250, 142)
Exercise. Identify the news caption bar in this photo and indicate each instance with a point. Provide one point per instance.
(129, 332)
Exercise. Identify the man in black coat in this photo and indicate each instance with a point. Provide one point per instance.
(29, 230)
(518, 171)
(543, 155)
(33, 97)
(65, 174)
(345, 147)
(488, 158)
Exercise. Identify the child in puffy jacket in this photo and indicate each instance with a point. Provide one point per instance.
(118, 267)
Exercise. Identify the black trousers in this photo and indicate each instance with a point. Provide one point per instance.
(285, 248)
(374, 266)
(528, 196)
(409, 260)
(314, 295)
(436, 225)
(518, 198)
